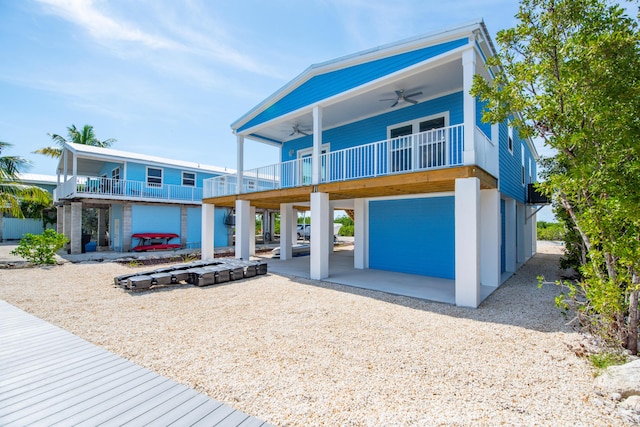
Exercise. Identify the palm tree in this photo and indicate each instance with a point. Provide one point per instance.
(85, 136)
(12, 191)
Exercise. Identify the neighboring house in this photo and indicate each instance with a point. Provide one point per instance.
(133, 193)
(393, 135)
(14, 228)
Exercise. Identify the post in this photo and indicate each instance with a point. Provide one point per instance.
(240, 164)
(286, 219)
(361, 235)
(469, 104)
(126, 227)
(510, 235)
(76, 227)
(252, 231)
(243, 229)
(490, 237)
(467, 235)
(208, 231)
(316, 167)
(319, 228)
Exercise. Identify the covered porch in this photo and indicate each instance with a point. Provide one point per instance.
(341, 265)
(476, 232)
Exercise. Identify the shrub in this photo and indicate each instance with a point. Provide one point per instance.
(40, 248)
(550, 230)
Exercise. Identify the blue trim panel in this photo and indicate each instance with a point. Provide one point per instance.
(415, 236)
(334, 82)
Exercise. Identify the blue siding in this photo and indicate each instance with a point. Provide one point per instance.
(415, 236)
(155, 219)
(374, 129)
(484, 127)
(173, 176)
(511, 164)
(334, 82)
(194, 228)
(136, 172)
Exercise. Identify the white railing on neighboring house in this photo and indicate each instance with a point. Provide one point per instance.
(121, 189)
(433, 149)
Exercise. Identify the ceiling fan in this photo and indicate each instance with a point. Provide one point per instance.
(296, 129)
(400, 96)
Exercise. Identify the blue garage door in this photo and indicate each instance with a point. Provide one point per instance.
(415, 236)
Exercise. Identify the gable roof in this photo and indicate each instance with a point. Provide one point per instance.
(327, 79)
(118, 155)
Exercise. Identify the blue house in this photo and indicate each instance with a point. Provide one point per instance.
(133, 193)
(393, 135)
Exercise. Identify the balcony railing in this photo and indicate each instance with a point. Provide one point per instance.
(433, 149)
(96, 187)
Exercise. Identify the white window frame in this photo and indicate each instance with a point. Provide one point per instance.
(510, 138)
(415, 128)
(415, 123)
(306, 152)
(155, 185)
(189, 179)
(115, 175)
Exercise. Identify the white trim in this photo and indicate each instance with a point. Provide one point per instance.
(510, 137)
(195, 179)
(362, 57)
(419, 67)
(153, 185)
(416, 122)
(326, 148)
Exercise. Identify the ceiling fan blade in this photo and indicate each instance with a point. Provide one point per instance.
(304, 133)
(413, 94)
(395, 103)
(389, 99)
(399, 93)
(413, 101)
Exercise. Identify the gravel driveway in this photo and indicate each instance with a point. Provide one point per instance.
(300, 352)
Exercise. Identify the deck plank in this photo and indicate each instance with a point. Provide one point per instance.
(50, 377)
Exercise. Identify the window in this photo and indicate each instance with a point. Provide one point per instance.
(115, 173)
(189, 179)
(430, 145)
(522, 155)
(510, 138)
(154, 177)
(251, 185)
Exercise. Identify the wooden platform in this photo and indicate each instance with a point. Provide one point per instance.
(51, 377)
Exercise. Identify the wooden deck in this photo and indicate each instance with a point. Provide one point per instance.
(50, 377)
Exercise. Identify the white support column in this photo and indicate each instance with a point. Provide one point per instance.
(243, 229)
(316, 168)
(76, 227)
(320, 227)
(469, 105)
(361, 234)
(528, 233)
(534, 234)
(293, 227)
(208, 231)
(287, 218)
(467, 235)
(520, 225)
(510, 235)
(65, 162)
(74, 165)
(240, 163)
(252, 231)
(490, 237)
(330, 235)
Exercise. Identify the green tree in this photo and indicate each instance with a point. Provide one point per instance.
(84, 136)
(12, 191)
(571, 69)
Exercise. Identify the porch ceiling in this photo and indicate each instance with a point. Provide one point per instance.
(434, 181)
(433, 80)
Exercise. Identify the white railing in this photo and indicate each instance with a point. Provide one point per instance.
(84, 186)
(433, 149)
(486, 152)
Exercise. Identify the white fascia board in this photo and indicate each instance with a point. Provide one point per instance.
(433, 62)
(358, 58)
(108, 154)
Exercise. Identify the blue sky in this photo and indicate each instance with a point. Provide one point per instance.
(167, 77)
